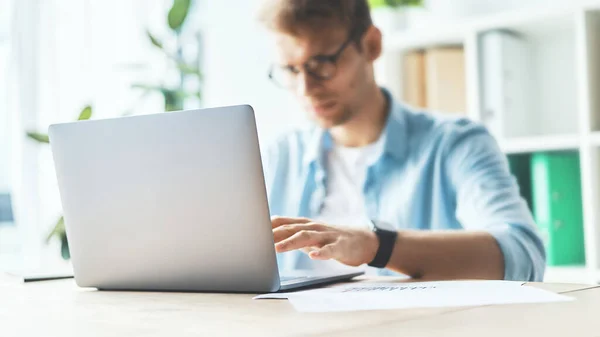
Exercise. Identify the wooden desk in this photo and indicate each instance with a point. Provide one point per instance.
(59, 308)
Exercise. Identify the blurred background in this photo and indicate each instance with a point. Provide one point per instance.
(59, 57)
(528, 69)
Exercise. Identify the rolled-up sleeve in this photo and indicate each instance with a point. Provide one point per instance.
(488, 199)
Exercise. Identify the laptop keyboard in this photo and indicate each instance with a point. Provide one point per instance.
(293, 278)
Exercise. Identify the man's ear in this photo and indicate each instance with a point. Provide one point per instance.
(372, 43)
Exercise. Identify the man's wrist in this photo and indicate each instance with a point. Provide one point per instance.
(372, 246)
(386, 238)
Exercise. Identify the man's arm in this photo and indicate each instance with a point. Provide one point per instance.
(447, 255)
(500, 240)
(419, 254)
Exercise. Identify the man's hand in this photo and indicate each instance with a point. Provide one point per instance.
(349, 246)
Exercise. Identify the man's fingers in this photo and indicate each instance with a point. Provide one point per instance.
(326, 252)
(277, 221)
(285, 231)
(307, 250)
(303, 239)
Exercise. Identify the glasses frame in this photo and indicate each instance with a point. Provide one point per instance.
(330, 58)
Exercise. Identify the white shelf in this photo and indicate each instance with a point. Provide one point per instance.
(539, 144)
(590, 5)
(418, 39)
(579, 274)
(595, 138)
(454, 33)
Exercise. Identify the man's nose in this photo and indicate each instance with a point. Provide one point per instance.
(305, 84)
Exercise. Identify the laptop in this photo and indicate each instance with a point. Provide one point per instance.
(170, 202)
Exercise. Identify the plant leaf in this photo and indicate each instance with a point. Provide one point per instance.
(156, 42)
(58, 230)
(174, 100)
(64, 248)
(178, 13)
(85, 114)
(401, 3)
(39, 137)
(189, 70)
(377, 3)
(183, 67)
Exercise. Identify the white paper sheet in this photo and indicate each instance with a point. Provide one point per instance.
(385, 287)
(378, 296)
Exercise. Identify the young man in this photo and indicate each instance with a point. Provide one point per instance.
(374, 182)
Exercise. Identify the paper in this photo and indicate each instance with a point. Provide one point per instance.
(379, 296)
(383, 287)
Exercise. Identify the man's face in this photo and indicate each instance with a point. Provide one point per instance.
(329, 102)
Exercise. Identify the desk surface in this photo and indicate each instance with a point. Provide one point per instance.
(59, 308)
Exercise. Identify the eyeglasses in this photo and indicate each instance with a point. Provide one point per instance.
(320, 67)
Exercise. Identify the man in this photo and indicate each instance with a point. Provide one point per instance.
(374, 182)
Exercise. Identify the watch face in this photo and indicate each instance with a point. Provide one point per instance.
(382, 225)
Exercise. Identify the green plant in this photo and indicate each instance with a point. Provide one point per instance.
(58, 231)
(187, 70)
(174, 93)
(394, 3)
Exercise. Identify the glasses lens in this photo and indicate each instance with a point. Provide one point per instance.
(286, 77)
(321, 69)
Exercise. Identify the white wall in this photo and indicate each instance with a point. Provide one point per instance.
(237, 56)
(5, 143)
(444, 9)
(5, 138)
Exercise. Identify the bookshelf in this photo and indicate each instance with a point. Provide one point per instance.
(560, 54)
(539, 144)
(569, 275)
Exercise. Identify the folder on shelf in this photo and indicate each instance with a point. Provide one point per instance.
(520, 167)
(558, 206)
(505, 67)
(446, 80)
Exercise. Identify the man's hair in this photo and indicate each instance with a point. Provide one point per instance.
(288, 16)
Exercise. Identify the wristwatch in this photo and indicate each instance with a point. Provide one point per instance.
(387, 239)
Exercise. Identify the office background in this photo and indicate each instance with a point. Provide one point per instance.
(528, 69)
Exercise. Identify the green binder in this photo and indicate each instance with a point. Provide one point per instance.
(558, 207)
(520, 167)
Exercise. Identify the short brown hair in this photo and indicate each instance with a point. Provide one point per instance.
(290, 15)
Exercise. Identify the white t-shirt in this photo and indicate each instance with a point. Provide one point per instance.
(344, 203)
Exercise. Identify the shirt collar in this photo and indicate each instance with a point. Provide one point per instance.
(395, 133)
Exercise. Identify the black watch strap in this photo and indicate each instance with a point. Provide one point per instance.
(387, 240)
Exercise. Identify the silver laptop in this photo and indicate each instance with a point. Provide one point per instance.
(173, 201)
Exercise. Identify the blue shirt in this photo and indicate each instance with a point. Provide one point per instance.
(435, 173)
